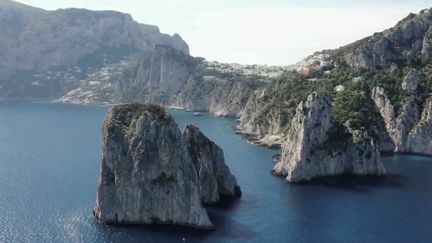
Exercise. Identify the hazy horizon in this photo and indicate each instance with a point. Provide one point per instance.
(251, 32)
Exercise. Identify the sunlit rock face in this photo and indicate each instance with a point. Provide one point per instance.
(311, 151)
(409, 129)
(147, 174)
(153, 174)
(215, 177)
(408, 40)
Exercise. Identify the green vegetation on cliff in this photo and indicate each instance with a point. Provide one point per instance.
(349, 90)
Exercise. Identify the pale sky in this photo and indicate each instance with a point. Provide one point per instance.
(274, 32)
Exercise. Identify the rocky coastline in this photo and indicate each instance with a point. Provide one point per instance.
(379, 88)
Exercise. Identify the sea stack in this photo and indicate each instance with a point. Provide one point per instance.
(316, 147)
(148, 175)
(216, 180)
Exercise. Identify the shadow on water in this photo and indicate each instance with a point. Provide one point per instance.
(404, 154)
(226, 203)
(228, 228)
(246, 202)
(225, 227)
(169, 230)
(358, 183)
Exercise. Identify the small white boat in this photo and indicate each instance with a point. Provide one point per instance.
(197, 114)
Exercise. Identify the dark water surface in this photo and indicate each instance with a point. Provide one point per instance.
(49, 163)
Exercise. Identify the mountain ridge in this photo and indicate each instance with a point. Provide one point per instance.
(38, 42)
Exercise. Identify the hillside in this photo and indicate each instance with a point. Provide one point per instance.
(44, 53)
(381, 85)
(105, 57)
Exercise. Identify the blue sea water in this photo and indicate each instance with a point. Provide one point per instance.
(49, 163)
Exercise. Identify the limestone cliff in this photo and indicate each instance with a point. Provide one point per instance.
(44, 53)
(407, 42)
(151, 174)
(266, 115)
(146, 174)
(409, 129)
(167, 77)
(396, 61)
(216, 180)
(420, 138)
(170, 78)
(105, 57)
(316, 147)
(162, 73)
(219, 94)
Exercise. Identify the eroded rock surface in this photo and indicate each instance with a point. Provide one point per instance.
(216, 180)
(420, 138)
(315, 147)
(408, 40)
(147, 175)
(151, 173)
(411, 81)
(410, 128)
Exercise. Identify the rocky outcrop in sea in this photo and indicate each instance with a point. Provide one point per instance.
(317, 147)
(151, 174)
(216, 180)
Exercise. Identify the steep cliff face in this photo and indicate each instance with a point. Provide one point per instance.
(408, 129)
(55, 38)
(216, 180)
(248, 121)
(105, 57)
(267, 114)
(43, 53)
(160, 75)
(222, 95)
(147, 175)
(168, 77)
(408, 41)
(152, 174)
(267, 132)
(316, 147)
(164, 71)
(420, 138)
(155, 76)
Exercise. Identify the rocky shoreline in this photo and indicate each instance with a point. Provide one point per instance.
(278, 143)
(379, 88)
(257, 140)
